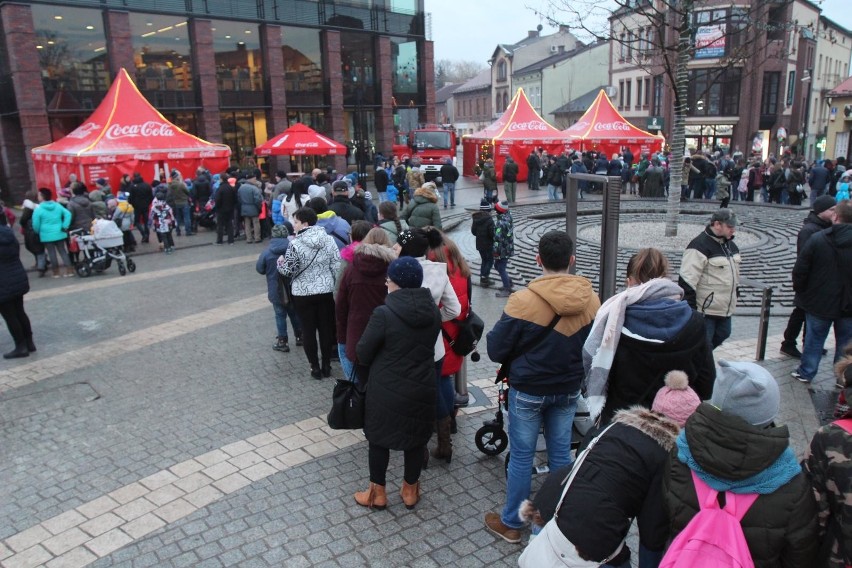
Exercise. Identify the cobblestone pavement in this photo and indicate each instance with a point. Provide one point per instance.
(156, 427)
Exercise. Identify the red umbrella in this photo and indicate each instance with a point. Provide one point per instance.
(300, 140)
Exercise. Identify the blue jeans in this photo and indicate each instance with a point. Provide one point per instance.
(281, 313)
(446, 396)
(501, 264)
(449, 191)
(709, 188)
(718, 329)
(383, 196)
(526, 413)
(552, 192)
(346, 364)
(487, 258)
(182, 213)
(817, 330)
(816, 193)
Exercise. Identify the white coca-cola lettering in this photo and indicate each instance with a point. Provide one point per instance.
(106, 159)
(141, 156)
(307, 144)
(529, 125)
(150, 128)
(84, 130)
(609, 126)
(175, 155)
(207, 154)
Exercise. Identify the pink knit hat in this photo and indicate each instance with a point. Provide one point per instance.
(676, 400)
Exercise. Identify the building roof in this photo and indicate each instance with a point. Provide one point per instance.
(558, 57)
(828, 21)
(581, 103)
(481, 81)
(443, 94)
(844, 89)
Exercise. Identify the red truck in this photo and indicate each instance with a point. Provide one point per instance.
(432, 144)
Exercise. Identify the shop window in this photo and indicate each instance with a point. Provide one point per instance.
(243, 131)
(771, 92)
(713, 93)
(405, 69)
(161, 53)
(303, 78)
(358, 68)
(71, 51)
(239, 64)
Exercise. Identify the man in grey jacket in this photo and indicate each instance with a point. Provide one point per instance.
(250, 199)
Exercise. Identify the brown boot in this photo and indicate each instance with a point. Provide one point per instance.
(444, 449)
(410, 494)
(374, 497)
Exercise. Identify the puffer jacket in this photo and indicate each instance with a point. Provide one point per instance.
(336, 227)
(267, 264)
(482, 227)
(390, 228)
(311, 261)
(51, 221)
(13, 277)
(489, 178)
(659, 336)
(250, 198)
(177, 194)
(82, 213)
(620, 479)
(781, 526)
(415, 179)
(555, 364)
(450, 329)
(401, 389)
(423, 210)
(710, 274)
(829, 470)
(822, 275)
(362, 290)
(504, 239)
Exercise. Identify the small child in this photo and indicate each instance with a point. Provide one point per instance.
(162, 219)
(123, 216)
(723, 189)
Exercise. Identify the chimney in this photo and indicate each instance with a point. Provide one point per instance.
(532, 33)
(563, 29)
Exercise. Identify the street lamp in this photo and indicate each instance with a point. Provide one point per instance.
(803, 134)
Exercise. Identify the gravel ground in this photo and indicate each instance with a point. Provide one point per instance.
(652, 233)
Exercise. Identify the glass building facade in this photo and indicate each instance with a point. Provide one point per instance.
(202, 64)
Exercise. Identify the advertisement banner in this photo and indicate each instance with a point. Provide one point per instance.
(710, 42)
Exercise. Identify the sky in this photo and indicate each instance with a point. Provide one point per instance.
(473, 32)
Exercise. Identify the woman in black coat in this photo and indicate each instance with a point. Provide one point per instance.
(13, 285)
(399, 347)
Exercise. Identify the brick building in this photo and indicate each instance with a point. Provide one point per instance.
(230, 71)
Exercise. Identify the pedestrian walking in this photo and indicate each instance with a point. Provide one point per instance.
(14, 284)
(504, 247)
(51, 221)
(267, 264)
(449, 177)
(162, 219)
(482, 227)
(510, 179)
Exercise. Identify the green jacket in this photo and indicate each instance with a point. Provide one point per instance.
(422, 210)
(51, 221)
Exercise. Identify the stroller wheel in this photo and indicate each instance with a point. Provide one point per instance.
(491, 440)
(83, 270)
(121, 269)
(131, 266)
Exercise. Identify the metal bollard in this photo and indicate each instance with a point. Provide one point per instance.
(461, 385)
(763, 326)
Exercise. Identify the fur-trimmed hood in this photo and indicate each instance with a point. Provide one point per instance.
(659, 428)
(379, 251)
(427, 194)
(372, 259)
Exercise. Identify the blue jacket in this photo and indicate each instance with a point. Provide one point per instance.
(267, 263)
(51, 221)
(818, 178)
(335, 226)
(277, 217)
(555, 364)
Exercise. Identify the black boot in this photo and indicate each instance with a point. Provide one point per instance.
(19, 351)
(30, 345)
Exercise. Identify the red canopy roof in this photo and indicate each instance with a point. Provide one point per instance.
(520, 121)
(603, 123)
(126, 127)
(300, 140)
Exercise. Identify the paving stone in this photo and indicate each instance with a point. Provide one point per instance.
(108, 542)
(29, 558)
(63, 522)
(65, 541)
(231, 483)
(220, 470)
(193, 482)
(144, 525)
(28, 538)
(102, 524)
(175, 510)
(185, 468)
(128, 493)
(157, 480)
(74, 558)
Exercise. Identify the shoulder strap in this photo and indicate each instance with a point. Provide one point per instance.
(735, 504)
(504, 368)
(576, 467)
(845, 423)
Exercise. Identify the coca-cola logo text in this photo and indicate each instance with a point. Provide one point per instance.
(107, 159)
(150, 128)
(207, 154)
(84, 130)
(529, 125)
(582, 125)
(609, 126)
(307, 144)
(175, 155)
(142, 157)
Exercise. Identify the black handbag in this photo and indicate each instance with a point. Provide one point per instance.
(285, 289)
(347, 406)
(470, 332)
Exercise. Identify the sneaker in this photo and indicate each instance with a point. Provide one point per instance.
(281, 345)
(496, 527)
(504, 293)
(798, 376)
(790, 350)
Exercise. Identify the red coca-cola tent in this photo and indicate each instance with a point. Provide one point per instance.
(603, 129)
(124, 135)
(300, 140)
(518, 130)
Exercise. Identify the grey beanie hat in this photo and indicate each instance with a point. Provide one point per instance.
(746, 390)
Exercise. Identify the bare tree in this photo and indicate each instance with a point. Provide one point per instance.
(661, 37)
(450, 71)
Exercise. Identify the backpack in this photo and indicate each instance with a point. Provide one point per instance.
(714, 537)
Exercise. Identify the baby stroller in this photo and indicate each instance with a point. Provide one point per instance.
(98, 250)
(492, 440)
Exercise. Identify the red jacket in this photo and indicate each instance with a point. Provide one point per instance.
(453, 361)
